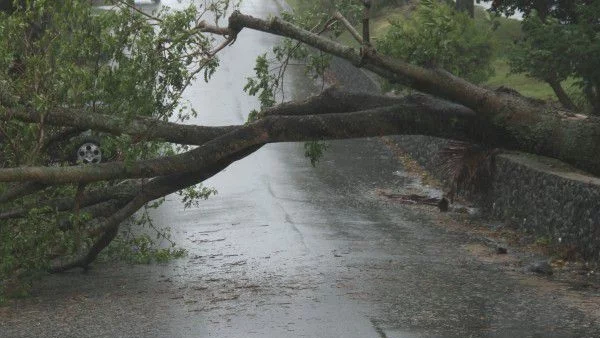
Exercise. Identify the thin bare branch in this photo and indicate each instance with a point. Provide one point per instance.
(220, 47)
(126, 4)
(355, 34)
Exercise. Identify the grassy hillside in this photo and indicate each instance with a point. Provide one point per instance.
(507, 31)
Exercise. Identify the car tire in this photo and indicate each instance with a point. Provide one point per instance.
(88, 151)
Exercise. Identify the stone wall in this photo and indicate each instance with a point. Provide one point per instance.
(536, 194)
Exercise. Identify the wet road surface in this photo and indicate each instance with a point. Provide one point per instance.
(287, 250)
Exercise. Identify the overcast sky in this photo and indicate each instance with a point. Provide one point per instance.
(486, 5)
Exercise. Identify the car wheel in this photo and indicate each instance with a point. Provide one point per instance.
(88, 152)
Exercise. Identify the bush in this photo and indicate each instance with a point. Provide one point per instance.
(438, 36)
(553, 49)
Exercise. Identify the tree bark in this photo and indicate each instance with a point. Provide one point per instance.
(20, 190)
(593, 95)
(563, 97)
(141, 128)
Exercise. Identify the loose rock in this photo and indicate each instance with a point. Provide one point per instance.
(541, 267)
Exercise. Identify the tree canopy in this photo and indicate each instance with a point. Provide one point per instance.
(437, 35)
(559, 40)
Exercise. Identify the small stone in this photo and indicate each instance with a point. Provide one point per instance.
(462, 210)
(542, 268)
(501, 250)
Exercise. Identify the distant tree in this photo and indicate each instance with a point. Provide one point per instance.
(564, 10)
(436, 35)
(559, 38)
(544, 54)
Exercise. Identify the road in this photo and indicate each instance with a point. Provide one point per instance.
(287, 250)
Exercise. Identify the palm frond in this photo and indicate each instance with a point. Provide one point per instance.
(467, 167)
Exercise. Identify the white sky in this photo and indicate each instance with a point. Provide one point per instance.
(518, 16)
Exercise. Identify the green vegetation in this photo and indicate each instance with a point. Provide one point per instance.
(555, 48)
(504, 32)
(64, 55)
(524, 84)
(140, 249)
(436, 35)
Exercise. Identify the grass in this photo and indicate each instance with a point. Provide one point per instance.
(520, 82)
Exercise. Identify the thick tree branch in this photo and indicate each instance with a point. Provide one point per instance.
(20, 190)
(332, 100)
(124, 191)
(426, 80)
(426, 116)
(142, 128)
(187, 162)
(104, 209)
(207, 28)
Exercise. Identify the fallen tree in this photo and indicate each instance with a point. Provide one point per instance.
(450, 107)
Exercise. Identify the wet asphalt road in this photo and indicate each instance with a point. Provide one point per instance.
(287, 250)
